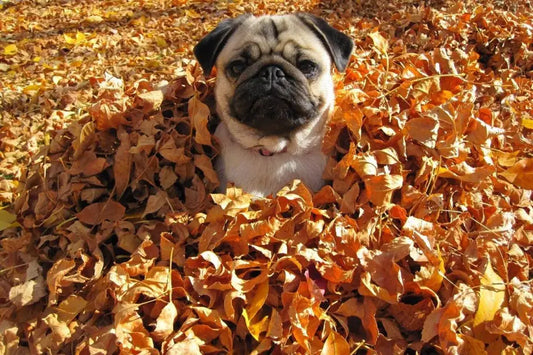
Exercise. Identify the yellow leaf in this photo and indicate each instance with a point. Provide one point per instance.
(258, 299)
(69, 39)
(160, 41)
(76, 39)
(527, 123)
(31, 88)
(139, 21)
(192, 14)
(6, 220)
(255, 304)
(70, 308)
(95, 19)
(491, 297)
(10, 49)
(80, 37)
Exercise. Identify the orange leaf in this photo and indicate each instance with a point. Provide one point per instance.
(521, 173)
(398, 212)
(380, 188)
(335, 344)
(424, 130)
(441, 97)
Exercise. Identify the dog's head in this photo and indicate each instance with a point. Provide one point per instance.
(274, 85)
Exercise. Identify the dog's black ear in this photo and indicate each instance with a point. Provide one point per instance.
(208, 49)
(340, 46)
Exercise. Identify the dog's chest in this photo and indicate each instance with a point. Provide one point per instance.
(264, 175)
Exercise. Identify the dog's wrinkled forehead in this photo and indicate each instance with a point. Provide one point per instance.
(283, 35)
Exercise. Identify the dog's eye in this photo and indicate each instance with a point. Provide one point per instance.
(235, 68)
(308, 68)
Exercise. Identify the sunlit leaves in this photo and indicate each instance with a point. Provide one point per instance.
(10, 49)
(118, 242)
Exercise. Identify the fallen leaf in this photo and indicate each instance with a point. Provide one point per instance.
(7, 219)
(28, 293)
(521, 173)
(380, 43)
(199, 114)
(165, 322)
(491, 298)
(335, 344)
(10, 49)
(96, 213)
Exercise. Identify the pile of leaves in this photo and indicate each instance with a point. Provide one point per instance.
(421, 242)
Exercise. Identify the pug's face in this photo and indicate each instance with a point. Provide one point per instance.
(274, 88)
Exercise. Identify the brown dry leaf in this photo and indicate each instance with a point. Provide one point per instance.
(69, 308)
(96, 213)
(28, 292)
(108, 114)
(172, 153)
(203, 162)
(380, 43)
(150, 101)
(122, 165)
(132, 336)
(199, 114)
(88, 165)
(443, 322)
(365, 311)
(56, 278)
(155, 202)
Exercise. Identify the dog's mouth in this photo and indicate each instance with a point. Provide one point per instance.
(268, 153)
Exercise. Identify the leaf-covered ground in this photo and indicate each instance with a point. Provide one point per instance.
(112, 239)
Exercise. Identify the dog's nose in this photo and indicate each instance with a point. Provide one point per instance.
(272, 73)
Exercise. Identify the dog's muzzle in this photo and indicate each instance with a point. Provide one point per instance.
(273, 101)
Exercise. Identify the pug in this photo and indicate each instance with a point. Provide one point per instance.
(274, 93)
